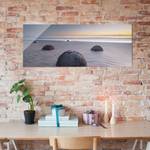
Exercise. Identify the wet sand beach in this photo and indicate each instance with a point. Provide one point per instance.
(114, 54)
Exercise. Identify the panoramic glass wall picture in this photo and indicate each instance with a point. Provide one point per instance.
(77, 45)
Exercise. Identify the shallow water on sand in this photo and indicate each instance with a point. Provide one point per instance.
(114, 54)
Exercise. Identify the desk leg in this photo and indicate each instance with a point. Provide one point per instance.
(1, 146)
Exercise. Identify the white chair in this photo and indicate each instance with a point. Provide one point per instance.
(148, 146)
(6, 143)
(1, 146)
(2, 143)
(136, 142)
(77, 143)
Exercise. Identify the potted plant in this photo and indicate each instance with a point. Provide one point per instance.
(23, 93)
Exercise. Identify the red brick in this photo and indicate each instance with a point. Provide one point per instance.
(66, 19)
(11, 36)
(145, 13)
(128, 1)
(143, 34)
(17, 8)
(144, 23)
(133, 82)
(64, 8)
(145, 1)
(128, 18)
(101, 97)
(119, 119)
(136, 97)
(89, 1)
(12, 14)
(14, 30)
(70, 13)
(61, 78)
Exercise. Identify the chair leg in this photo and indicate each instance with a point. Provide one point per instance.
(14, 144)
(135, 144)
(141, 144)
(8, 146)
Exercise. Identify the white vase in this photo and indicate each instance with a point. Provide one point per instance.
(113, 120)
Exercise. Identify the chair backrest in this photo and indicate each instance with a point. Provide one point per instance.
(77, 143)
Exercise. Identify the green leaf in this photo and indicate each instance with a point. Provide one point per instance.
(13, 88)
(17, 86)
(27, 99)
(25, 92)
(21, 81)
(18, 98)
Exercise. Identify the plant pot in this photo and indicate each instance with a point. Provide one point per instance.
(29, 116)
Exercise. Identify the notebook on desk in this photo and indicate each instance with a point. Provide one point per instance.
(53, 118)
(64, 121)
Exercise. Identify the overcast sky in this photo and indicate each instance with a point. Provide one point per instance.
(45, 31)
(109, 29)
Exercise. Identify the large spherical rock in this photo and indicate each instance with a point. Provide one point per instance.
(97, 48)
(35, 42)
(71, 58)
(48, 48)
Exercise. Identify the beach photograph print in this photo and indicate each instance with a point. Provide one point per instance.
(77, 45)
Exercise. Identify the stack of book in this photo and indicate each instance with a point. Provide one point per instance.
(64, 121)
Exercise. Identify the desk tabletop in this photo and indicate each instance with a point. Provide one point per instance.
(123, 130)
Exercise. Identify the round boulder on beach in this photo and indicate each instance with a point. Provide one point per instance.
(48, 48)
(97, 48)
(35, 42)
(70, 59)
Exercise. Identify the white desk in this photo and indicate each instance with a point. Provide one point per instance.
(124, 130)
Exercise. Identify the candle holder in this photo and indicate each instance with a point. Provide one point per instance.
(113, 120)
(106, 118)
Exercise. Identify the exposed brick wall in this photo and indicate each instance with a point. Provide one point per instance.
(77, 88)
